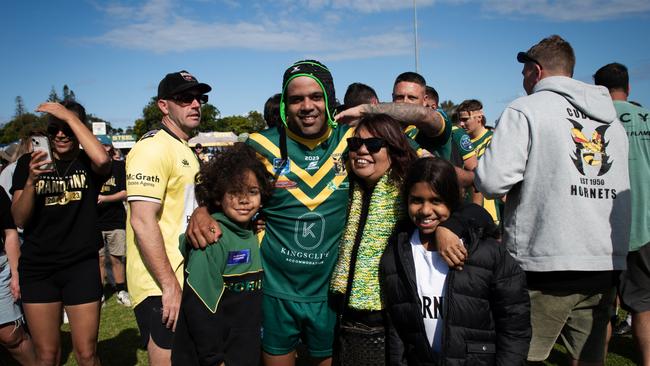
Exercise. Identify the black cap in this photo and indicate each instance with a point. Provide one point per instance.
(524, 57)
(178, 82)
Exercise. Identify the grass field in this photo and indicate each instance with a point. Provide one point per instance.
(119, 343)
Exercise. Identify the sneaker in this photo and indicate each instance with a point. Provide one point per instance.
(123, 298)
(103, 300)
(623, 328)
(65, 317)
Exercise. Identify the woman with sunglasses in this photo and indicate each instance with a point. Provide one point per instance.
(56, 205)
(379, 155)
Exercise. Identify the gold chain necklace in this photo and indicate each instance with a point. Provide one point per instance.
(65, 182)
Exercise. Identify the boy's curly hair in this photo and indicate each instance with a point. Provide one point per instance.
(225, 173)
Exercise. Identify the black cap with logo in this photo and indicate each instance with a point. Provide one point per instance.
(178, 82)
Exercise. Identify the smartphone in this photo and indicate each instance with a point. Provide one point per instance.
(42, 143)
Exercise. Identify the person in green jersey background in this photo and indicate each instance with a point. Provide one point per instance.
(410, 88)
(472, 119)
(358, 93)
(635, 281)
(462, 153)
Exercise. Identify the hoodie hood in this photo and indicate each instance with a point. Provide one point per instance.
(592, 100)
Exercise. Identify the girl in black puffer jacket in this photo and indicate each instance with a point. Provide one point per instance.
(437, 315)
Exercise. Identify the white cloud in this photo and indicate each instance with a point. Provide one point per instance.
(156, 27)
(151, 9)
(370, 6)
(373, 46)
(568, 10)
(364, 6)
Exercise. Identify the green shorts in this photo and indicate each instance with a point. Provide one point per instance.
(580, 319)
(286, 322)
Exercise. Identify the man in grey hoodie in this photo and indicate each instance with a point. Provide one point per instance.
(560, 154)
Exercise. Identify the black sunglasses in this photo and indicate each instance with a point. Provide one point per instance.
(188, 98)
(53, 130)
(373, 144)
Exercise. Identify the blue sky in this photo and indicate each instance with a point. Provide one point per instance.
(114, 53)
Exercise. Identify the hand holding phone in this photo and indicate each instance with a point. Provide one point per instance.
(42, 143)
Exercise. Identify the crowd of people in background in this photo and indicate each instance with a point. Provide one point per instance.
(360, 233)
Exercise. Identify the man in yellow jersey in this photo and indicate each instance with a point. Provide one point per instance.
(160, 172)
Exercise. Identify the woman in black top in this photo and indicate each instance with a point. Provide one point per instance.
(57, 208)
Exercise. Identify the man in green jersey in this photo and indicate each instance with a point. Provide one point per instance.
(410, 88)
(472, 119)
(462, 150)
(305, 216)
(635, 281)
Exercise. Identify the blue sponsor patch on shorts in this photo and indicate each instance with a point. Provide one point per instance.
(239, 257)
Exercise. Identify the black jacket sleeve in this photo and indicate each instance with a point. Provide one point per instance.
(470, 216)
(510, 304)
(394, 344)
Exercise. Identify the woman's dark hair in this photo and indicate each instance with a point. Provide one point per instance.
(77, 108)
(400, 152)
(225, 173)
(441, 177)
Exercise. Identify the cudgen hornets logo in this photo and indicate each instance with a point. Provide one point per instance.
(592, 152)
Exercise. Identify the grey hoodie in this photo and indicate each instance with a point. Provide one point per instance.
(561, 156)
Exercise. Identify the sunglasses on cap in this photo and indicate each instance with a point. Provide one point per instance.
(53, 130)
(373, 144)
(187, 98)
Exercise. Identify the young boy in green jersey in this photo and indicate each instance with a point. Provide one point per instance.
(221, 309)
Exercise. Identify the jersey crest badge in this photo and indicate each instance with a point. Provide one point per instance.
(339, 164)
(466, 143)
(281, 166)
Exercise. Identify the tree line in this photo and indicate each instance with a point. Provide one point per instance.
(23, 121)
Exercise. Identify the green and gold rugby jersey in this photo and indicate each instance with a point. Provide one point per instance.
(306, 213)
(439, 145)
(493, 206)
(482, 142)
(462, 142)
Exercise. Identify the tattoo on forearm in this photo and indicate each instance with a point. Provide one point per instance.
(403, 112)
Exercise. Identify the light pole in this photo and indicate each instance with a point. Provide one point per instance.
(415, 27)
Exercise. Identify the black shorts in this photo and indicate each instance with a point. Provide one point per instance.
(634, 288)
(75, 284)
(148, 314)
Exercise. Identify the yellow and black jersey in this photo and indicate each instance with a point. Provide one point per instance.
(160, 168)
